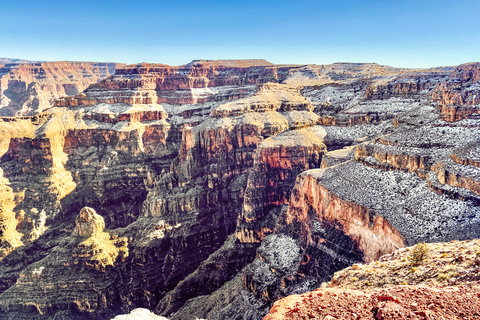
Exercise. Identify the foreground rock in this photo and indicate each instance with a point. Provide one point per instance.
(441, 284)
(139, 314)
(403, 302)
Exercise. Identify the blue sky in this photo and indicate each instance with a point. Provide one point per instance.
(405, 33)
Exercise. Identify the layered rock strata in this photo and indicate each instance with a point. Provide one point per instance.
(117, 150)
(29, 88)
(84, 253)
(367, 200)
(459, 96)
(277, 163)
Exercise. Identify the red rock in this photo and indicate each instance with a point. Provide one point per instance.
(445, 303)
(373, 235)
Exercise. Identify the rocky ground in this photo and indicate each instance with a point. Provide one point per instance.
(213, 189)
(426, 281)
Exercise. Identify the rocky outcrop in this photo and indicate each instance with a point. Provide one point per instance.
(398, 88)
(277, 163)
(468, 72)
(458, 100)
(403, 302)
(29, 88)
(96, 245)
(270, 97)
(454, 172)
(88, 223)
(457, 93)
(459, 96)
(371, 233)
(197, 82)
(85, 253)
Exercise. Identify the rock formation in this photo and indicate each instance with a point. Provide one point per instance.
(215, 188)
(27, 88)
(139, 314)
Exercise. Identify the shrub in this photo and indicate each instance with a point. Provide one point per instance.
(418, 253)
(443, 276)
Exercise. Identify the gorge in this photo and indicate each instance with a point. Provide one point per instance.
(213, 189)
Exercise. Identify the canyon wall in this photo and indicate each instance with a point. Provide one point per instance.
(29, 88)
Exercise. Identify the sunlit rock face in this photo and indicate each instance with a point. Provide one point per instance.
(88, 223)
(459, 96)
(213, 189)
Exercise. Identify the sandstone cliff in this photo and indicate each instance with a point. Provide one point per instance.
(213, 189)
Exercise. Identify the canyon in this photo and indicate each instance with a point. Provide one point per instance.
(215, 188)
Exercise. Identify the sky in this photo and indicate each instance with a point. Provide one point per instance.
(405, 33)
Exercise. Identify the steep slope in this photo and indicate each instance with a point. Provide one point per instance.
(108, 154)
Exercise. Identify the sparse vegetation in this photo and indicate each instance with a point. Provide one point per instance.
(102, 248)
(419, 254)
(433, 264)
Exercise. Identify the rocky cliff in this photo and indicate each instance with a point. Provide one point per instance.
(27, 88)
(215, 188)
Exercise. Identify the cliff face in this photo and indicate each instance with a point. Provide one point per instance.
(215, 188)
(29, 88)
(459, 96)
(197, 82)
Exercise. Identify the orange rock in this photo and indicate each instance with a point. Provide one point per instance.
(414, 302)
